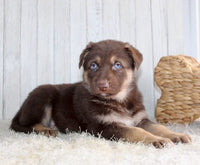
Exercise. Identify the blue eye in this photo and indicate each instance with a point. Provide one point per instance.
(93, 66)
(117, 66)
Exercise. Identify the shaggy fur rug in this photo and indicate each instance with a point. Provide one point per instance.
(75, 149)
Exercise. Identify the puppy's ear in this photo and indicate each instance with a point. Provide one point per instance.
(136, 55)
(84, 53)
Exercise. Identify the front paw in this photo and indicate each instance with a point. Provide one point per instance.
(178, 137)
(162, 142)
(159, 142)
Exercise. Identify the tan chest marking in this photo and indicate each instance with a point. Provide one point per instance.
(126, 119)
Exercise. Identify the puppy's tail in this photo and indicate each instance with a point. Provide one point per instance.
(17, 127)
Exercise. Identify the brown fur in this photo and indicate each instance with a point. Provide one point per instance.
(106, 102)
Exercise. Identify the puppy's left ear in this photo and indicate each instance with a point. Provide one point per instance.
(136, 55)
(84, 53)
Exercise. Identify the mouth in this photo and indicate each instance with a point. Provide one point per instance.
(104, 95)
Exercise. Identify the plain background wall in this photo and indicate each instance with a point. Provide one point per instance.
(41, 40)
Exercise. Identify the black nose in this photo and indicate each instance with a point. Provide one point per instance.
(103, 85)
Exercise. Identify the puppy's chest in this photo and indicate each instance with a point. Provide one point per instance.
(117, 113)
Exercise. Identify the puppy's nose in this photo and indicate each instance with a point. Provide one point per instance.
(103, 85)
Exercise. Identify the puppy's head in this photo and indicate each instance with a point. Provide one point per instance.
(109, 68)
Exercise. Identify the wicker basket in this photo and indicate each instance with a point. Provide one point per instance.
(178, 77)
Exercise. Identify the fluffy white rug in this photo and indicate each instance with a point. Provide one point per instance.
(75, 149)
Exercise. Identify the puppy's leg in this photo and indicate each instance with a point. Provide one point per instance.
(134, 134)
(36, 109)
(65, 121)
(162, 131)
(39, 128)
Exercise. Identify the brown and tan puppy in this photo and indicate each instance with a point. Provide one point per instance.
(106, 102)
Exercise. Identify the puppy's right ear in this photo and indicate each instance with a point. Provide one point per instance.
(84, 53)
(136, 55)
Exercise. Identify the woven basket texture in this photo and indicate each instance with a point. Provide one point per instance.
(178, 77)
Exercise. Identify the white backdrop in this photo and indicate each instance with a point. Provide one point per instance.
(41, 40)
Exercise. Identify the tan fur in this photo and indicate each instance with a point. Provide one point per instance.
(162, 131)
(126, 88)
(85, 77)
(39, 128)
(114, 59)
(127, 119)
(135, 134)
(97, 59)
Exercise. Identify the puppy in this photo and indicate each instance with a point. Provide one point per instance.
(106, 102)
